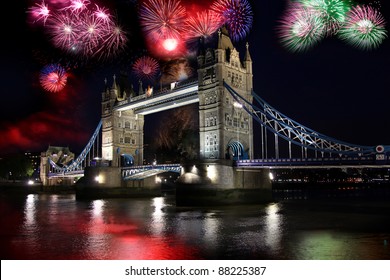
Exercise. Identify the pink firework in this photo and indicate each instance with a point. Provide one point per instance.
(40, 12)
(145, 68)
(203, 24)
(86, 32)
(113, 41)
(77, 5)
(162, 19)
(91, 31)
(53, 77)
(64, 30)
(102, 14)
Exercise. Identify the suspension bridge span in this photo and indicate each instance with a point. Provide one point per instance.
(316, 150)
(229, 113)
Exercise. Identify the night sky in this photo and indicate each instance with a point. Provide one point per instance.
(333, 88)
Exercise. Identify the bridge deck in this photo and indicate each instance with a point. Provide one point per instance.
(178, 96)
(357, 162)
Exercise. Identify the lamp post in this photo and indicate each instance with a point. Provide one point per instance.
(155, 159)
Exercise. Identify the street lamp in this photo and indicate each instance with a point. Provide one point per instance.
(155, 159)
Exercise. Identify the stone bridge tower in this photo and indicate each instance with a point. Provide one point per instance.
(122, 131)
(225, 128)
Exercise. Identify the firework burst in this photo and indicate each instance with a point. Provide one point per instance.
(63, 29)
(162, 19)
(237, 16)
(300, 28)
(364, 28)
(53, 77)
(114, 41)
(333, 12)
(40, 12)
(83, 31)
(145, 68)
(203, 24)
(77, 5)
(163, 23)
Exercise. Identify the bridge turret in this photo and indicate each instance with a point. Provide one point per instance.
(201, 52)
(223, 124)
(114, 88)
(122, 131)
(140, 88)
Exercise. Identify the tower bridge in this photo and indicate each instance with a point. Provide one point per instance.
(229, 112)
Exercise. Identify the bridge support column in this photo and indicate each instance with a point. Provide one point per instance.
(219, 183)
(107, 182)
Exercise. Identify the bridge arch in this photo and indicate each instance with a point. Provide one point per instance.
(127, 160)
(236, 151)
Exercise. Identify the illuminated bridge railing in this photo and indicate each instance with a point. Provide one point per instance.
(148, 170)
(183, 93)
(74, 173)
(371, 161)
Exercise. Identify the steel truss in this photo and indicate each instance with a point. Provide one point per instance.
(78, 162)
(297, 134)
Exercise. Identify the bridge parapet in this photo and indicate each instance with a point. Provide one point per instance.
(143, 171)
(371, 161)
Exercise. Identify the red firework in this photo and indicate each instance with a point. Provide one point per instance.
(53, 77)
(203, 24)
(145, 68)
(162, 19)
(163, 23)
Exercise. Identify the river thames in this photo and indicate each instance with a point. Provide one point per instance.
(59, 227)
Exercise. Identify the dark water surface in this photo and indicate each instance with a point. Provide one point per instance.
(44, 226)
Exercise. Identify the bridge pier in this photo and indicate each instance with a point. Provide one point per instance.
(107, 182)
(217, 182)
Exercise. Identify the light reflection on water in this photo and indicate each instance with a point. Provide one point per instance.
(61, 227)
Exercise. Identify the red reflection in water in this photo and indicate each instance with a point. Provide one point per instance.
(45, 233)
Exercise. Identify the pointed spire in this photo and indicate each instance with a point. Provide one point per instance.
(247, 54)
(224, 40)
(219, 39)
(106, 88)
(201, 49)
(114, 86)
(132, 93)
(140, 89)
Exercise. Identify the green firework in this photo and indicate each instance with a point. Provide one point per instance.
(364, 28)
(333, 12)
(300, 28)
